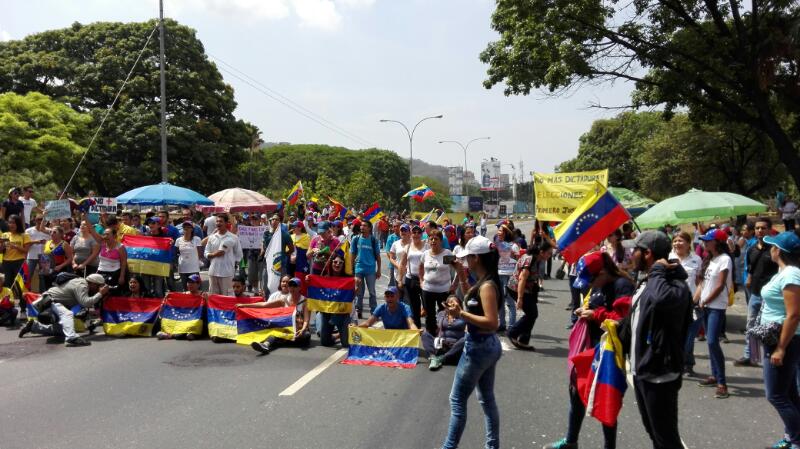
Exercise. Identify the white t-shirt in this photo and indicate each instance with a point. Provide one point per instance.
(280, 297)
(188, 259)
(35, 250)
(437, 274)
(29, 205)
(711, 280)
(413, 256)
(507, 262)
(398, 250)
(225, 265)
(692, 264)
(210, 224)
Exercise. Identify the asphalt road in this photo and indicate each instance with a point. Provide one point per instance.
(144, 393)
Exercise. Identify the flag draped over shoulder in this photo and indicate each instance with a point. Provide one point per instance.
(420, 194)
(148, 255)
(374, 213)
(130, 316)
(597, 217)
(330, 294)
(222, 314)
(601, 377)
(258, 324)
(182, 313)
(392, 348)
(295, 193)
(274, 260)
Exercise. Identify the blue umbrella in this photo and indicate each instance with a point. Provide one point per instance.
(163, 194)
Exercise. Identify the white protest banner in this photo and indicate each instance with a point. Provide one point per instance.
(250, 236)
(103, 204)
(56, 209)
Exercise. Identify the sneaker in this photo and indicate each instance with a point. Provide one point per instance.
(214, 339)
(782, 444)
(163, 336)
(190, 337)
(435, 363)
(77, 341)
(724, 339)
(688, 371)
(722, 392)
(744, 361)
(569, 326)
(561, 444)
(520, 345)
(260, 347)
(708, 382)
(93, 324)
(26, 328)
(701, 338)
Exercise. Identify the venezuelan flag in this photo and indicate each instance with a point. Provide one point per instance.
(258, 324)
(420, 194)
(601, 377)
(148, 255)
(182, 313)
(295, 194)
(222, 314)
(590, 224)
(374, 213)
(130, 316)
(330, 294)
(339, 210)
(427, 218)
(383, 347)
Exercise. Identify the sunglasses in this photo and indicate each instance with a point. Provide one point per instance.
(416, 231)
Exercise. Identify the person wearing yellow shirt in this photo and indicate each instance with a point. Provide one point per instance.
(121, 228)
(14, 246)
(8, 314)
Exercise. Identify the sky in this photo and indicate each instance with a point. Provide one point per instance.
(354, 62)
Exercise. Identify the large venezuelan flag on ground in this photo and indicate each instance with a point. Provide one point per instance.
(330, 294)
(148, 255)
(130, 316)
(374, 213)
(392, 348)
(182, 313)
(590, 224)
(601, 377)
(222, 314)
(258, 324)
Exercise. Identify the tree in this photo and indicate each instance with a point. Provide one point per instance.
(84, 66)
(440, 200)
(40, 137)
(725, 61)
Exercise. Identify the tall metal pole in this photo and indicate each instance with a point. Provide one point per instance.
(163, 92)
(464, 147)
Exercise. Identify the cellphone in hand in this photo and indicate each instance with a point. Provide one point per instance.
(447, 260)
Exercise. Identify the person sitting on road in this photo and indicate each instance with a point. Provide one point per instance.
(60, 300)
(393, 313)
(448, 343)
(192, 288)
(302, 336)
(8, 314)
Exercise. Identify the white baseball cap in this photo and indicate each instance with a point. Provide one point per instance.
(96, 279)
(476, 245)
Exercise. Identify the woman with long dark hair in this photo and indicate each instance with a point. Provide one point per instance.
(14, 245)
(692, 264)
(508, 252)
(60, 254)
(434, 275)
(781, 305)
(409, 276)
(524, 287)
(712, 298)
(482, 347)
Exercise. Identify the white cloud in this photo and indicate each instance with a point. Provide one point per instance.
(249, 9)
(356, 3)
(4, 35)
(320, 14)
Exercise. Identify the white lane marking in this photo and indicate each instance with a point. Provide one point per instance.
(309, 376)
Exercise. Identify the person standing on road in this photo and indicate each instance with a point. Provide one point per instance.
(654, 334)
(409, 275)
(482, 348)
(366, 251)
(524, 286)
(394, 236)
(509, 253)
(224, 252)
(761, 269)
(85, 251)
(434, 274)
(781, 305)
(395, 255)
(14, 246)
(189, 252)
(483, 224)
(691, 263)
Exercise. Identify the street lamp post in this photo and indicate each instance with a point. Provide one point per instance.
(464, 147)
(410, 145)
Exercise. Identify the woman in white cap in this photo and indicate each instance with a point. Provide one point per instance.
(482, 347)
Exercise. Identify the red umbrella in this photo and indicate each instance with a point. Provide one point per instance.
(242, 200)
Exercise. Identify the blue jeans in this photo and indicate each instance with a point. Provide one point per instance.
(691, 334)
(507, 301)
(780, 386)
(713, 322)
(753, 307)
(368, 279)
(392, 280)
(475, 369)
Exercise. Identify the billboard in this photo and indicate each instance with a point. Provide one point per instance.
(460, 203)
(455, 180)
(490, 175)
(475, 204)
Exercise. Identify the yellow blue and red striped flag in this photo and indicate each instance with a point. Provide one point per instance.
(258, 324)
(295, 193)
(182, 313)
(148, 255)
(222, 314)
(130, 316)
(374, 213)
(330, 294)
(392, 348)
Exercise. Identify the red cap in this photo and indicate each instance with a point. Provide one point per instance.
(594, 262)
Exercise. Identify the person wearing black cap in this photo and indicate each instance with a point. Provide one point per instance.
(393, 313)
(653, 335)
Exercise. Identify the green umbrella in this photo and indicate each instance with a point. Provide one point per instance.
(698, 206)
(630, 199)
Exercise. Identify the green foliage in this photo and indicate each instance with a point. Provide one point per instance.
(42, 181)
(725, 62)
(356, 178)
(441, 200)
(84, 65)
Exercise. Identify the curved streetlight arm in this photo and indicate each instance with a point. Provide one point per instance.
(426, 118)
